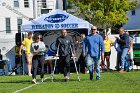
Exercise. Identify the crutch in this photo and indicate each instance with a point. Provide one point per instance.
(52, 74)
(75, 63)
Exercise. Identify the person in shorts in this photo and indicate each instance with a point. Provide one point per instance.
(27, 44)
(108, 43)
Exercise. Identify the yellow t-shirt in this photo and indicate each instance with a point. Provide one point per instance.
(107, 45)
(27, 43)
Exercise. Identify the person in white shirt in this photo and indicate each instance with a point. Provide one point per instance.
(37, 49)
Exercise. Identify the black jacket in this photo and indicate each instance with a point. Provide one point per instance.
(65, 45)
(0, 57)
(124, 41)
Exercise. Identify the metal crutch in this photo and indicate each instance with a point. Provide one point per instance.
(52, 74)
(75, 64)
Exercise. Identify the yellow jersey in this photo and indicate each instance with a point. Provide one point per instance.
(27, 43)
(107, 45)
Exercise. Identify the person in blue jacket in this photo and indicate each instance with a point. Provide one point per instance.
(92, 45)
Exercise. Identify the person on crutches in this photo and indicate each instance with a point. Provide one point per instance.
(64, 43)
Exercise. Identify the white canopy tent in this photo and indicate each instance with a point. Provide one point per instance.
(55, 20)
(49, 25)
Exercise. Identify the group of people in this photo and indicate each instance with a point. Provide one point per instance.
(36, 51)
(124, 47)
(93, 48)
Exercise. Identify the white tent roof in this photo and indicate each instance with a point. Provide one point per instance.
(56, 19)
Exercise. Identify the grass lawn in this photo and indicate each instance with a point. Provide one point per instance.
(111, 82)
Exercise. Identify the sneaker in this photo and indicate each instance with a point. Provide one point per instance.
(130, 68)
(97, 78)
(109, 70)
(66, 78)
(29, 74)
(42, 80)
(34, 81)
(87, 71)
(91, 77)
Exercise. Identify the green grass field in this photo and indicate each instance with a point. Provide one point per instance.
(111, 82)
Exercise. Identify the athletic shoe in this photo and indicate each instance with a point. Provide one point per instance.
(109, 70)
(130, 68)
(87, 71)
(91, 77)
(29, 74)
(66, 78)
(42, 80)
(34, 81)
(97, 78)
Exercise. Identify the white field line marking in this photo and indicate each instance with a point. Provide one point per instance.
(17, 91)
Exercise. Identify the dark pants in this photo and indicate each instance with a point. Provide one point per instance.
(82, 63)
(65, 64)
(38, 59)
(118, 61)
(18, 61)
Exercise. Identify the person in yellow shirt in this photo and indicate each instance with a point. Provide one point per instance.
(108, 43)
(27, 43)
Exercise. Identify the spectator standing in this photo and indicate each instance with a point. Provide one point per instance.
(108, 43)
(27, 43)
(118, 49)
(75, 42)
(1, 55)
(124, 42)
(81, 59)
(2, 63)
(18, 58)
(130, 53)
(93, 43)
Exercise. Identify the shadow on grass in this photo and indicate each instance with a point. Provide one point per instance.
(18, 81)
(61, 80)
(47, 80)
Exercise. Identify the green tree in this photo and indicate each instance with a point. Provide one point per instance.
(103, 13)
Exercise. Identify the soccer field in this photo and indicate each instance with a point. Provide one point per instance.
(111, 82)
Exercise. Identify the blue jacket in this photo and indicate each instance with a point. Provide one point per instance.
(49, 53)
(92, 45)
